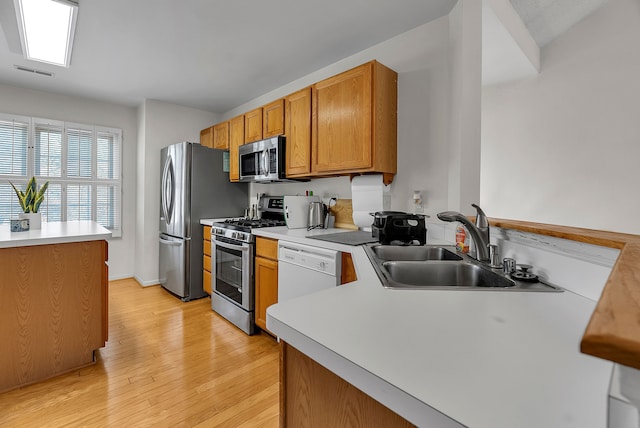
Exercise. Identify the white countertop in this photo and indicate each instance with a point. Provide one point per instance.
(53, 233)
(482, 358)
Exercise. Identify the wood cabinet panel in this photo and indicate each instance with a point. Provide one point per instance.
(52, 310)
(206, 263)
(236, 139)
(298, 133)
(206, 247)
(267, 248)
(253, 125)
(221, 136)
(348, 269)
(206, 137)
(206, 260)
(206, 281)
(311, 395)
(342, 112)
(273, 119)
(266, 280)
(354, 125)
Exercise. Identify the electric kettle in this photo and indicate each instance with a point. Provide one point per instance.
(317, 215)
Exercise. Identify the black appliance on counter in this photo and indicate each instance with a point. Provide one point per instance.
(399, 228)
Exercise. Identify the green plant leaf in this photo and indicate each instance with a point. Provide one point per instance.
(31, 198)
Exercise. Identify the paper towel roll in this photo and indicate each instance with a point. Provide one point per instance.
(368, 195)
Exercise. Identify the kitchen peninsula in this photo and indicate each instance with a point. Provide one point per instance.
(438, 358)
(53, 304)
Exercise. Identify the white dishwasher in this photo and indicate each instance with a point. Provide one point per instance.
(303, 269)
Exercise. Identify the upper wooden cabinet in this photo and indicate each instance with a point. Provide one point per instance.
(206, 137)
(297, 108)
(221, 136)
(253, 125)
(355, 122)
(273, 119)
(343, 125)
(236, 139)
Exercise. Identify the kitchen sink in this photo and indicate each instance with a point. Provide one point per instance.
(430, 267)
(416, 253)
(439, 274)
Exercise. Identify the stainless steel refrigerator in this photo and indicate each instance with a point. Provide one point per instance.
(193, 186)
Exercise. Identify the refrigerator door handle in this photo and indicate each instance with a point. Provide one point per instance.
(172, 243)
(168, 180)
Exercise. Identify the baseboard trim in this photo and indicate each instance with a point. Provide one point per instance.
(146, 283)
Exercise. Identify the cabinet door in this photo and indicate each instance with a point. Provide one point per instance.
(236, 139)
(348, 269)
(221, 136)
(206, 279)
(253, 125)
(298, 133)
(342, 109)
(267, 248)
(206, 137)
(266, 280)
(273, 119)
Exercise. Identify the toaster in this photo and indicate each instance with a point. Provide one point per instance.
(400, 228)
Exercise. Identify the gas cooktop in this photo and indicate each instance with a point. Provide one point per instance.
(251, 223)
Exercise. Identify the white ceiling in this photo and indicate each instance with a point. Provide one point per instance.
(216, 55)
(547, 19)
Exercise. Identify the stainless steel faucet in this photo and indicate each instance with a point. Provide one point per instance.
(479, 232)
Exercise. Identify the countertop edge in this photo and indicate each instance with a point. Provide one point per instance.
(410, 408)
(56, 233)
(611, 333)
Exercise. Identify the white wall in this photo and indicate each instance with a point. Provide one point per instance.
(27, 102)
(563, 148)
(421, 58)
(162, 124)
(465, 23)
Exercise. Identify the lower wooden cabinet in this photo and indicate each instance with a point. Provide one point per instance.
(53, 309)
(206, 260)
(311, 395)
(266, 279)
(348, 270)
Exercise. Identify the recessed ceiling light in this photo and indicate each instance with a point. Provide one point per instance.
(47, 28)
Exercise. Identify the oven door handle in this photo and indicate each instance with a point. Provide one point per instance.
(230, 246)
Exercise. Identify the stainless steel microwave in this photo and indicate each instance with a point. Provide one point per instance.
(263, 160)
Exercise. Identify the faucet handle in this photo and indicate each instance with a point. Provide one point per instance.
(494, 256)
(481, 217)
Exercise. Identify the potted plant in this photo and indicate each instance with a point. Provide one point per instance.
(30, 201)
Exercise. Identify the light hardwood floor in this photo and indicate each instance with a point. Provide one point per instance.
(166, 364)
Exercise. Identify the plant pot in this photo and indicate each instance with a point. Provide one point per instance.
(35, 219)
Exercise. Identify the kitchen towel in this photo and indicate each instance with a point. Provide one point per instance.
(368, 195)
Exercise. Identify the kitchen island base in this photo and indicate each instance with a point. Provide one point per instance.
(53, 309)
(311, 395)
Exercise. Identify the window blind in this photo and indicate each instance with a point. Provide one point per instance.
(48, 151)
(81, 162)
(14, 138)
(79, 145)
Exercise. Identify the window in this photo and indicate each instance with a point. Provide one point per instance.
(81, 163)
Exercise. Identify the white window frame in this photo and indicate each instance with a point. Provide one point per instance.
(64, 180)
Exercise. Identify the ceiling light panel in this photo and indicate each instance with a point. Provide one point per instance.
(47, 28)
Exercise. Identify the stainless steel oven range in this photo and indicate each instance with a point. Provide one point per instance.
(232, 259)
